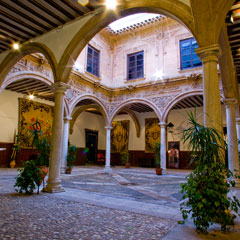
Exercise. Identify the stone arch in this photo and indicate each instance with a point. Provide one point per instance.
(222, 13)
(137, 100)
(178, 99)
(98, 102)
(24, 74)
(135, 121)
(176, 10)
(78, 111)
(14, 56)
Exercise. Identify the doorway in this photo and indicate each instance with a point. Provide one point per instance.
(91, 145)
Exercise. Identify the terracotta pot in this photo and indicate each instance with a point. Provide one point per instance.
(158, 171)
(236, 12)
(127, 165)
(43, 171)
(13, 164)
(68, 171)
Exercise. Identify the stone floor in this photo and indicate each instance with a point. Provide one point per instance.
(122, 204)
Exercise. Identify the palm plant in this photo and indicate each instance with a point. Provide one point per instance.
(205, 193)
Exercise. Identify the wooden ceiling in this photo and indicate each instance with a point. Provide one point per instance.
(32, 86)
(22, 20)
(233, 29)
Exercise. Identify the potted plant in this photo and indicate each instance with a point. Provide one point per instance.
(205, 194)
(28, 178)
(34, 171)
(71, 157)
(125, 159)
(40, 140)
(157, 159)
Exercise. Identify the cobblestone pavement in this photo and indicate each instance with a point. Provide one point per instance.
(46, 216)
(121, 204)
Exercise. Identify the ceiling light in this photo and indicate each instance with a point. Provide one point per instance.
(83, 2)
(15, 46)
(159, 75)
(111, 4)
(31, 97)
(76, 66)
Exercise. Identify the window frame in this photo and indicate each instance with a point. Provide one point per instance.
(135, 54)
(94, 50)
(191, 54)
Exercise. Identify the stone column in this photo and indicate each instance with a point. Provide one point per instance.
(108, 148)
(163, 146)
(65, 143)
(238, 128)
(54, 182)
(233, 159)
(212, 103)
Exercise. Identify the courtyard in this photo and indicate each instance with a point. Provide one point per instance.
(121, 204)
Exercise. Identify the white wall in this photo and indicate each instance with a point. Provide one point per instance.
(88, 121)
(9, 113)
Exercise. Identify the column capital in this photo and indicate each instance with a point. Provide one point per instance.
(238, 120)
(108, 127)
(162, 124)
(67, 119)
(229, 101)
(60, 87)
(209, 53)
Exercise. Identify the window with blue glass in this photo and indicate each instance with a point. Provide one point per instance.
(93, 61)
(189, 58)
(135, 65)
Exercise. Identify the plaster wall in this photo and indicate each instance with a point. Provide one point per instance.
(88, 121)
(105, 70)
(9, 114)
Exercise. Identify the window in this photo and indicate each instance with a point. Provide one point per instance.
(93, 61)
(189, 58)
(135, 65)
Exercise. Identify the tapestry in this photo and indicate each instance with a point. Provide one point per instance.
(152, 134)
(31, 112)
(119, 136)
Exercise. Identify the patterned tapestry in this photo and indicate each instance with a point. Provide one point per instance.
(119, 136)
(152, 134)
(29, 112)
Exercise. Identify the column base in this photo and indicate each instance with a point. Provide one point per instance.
(53, 187)
(63, 170)
(164, 171)
(237, 183)
(108, 169)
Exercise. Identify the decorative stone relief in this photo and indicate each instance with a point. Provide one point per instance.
(162, 101)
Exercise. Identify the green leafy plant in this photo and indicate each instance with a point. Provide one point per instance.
(28, 178)
(124, 157)
(157, 155)
(205, 195)
(40, 140)
(71, 157)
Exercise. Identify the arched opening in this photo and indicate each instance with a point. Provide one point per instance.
(87, 131)
(179, 12)
(26, 96)
(176, 116)
(124, 134)
(14, 57)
